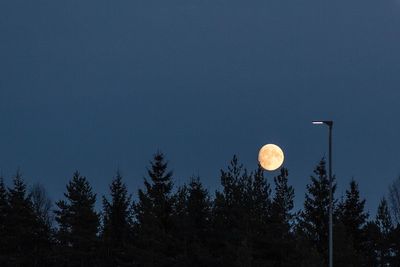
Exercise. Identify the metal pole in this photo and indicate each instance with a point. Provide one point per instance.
(330, 197)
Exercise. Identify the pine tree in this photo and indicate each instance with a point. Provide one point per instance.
(282, 241)
(240, 215)
(231, 217)
(78, 224)
(154, 216)
(260, 219)
(315, 215)
(117, 225)
(261, 196)
(282, 203)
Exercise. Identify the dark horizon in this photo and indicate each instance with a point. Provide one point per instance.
(249, 222)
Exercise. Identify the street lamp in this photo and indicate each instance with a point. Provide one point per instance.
(330, 125)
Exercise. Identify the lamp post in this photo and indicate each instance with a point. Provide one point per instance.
(330, 125)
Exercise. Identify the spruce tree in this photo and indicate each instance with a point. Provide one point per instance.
(199, 211)
(117, 236)
(384, 224)
(352, 215)
(182, 232)
(22, 226)
(193, 214)
(394, 199)
(78, 224)
(3, 219)
(198, 207)
(154, 216)
(314, 217)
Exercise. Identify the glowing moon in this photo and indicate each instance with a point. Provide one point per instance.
(270, 157)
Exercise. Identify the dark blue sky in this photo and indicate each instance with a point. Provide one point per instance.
(100, 85)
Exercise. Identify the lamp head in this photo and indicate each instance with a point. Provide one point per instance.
(329, 123)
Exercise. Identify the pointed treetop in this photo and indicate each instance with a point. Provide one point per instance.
(282, 203)
(19, 184)
(383, 219)
(158, 169)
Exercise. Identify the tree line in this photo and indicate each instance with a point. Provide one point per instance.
(249, 222)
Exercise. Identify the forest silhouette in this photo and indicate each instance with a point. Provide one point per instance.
(249, 222)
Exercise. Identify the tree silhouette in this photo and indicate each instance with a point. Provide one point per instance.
(78, 224)
(41, 204)
(154, 216)
(4, 208)
(316, 210)
(198, 208)
(192, 214)
(231, 217)
(344, 253)
(384, 225)
(245, 224)
(117, 235)
(352, 215)
(260, 214)
(282, 203)
(394, 198)
(26, 237)
(283, 243)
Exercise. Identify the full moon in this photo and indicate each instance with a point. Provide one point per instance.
(270, 157)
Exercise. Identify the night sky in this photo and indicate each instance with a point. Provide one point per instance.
(101, 85)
